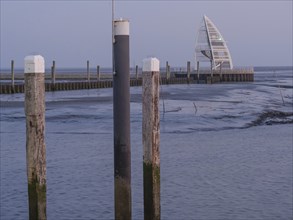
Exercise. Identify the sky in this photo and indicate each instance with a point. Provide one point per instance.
(258, 32)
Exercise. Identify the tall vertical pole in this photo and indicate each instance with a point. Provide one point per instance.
(188, 71)
(12, 74)
(121, 100)
(151, 138)
(35, 135)
(113, 40)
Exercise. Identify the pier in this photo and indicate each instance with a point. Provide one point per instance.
(80, 81)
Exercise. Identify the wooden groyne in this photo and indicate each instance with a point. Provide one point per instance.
(219, 76)
(180, 79)
(77, 81)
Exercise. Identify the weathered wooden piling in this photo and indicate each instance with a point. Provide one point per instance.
(151, 138)
(121, 101)
(98, 73)
(136, 72)
(221, 72)
(212, 70)
(197, 69)
(188, 71)
(88, 70)
(35, 135)
(167, 71)
(53, 76)
(12, 74)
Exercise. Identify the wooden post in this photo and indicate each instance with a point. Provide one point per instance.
(167, 66)
(35, 135)
(136, 72)
(88, 70)
(167, 72)
(197, 68)
(121, 109)
(188, 71)
(221, 72)
(12, 74)
(212, 71)
(98, 73)
(151, 138)
(53, 76)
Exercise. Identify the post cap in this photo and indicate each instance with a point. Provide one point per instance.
(121, 27)
(34, 64)
(151, 64)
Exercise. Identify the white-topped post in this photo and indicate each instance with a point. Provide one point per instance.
(34, 73)
(121, 111)
(151, 137)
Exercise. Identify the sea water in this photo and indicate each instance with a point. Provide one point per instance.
(226, 151)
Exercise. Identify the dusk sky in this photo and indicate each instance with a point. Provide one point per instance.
(258, 33)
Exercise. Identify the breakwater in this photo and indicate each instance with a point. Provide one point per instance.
(77, 83)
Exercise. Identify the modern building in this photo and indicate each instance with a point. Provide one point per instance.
(211, 46)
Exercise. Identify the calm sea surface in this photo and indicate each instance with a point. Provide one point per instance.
(226, 152)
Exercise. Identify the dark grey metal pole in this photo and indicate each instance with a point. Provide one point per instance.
(151, 138)
(121, 100)
(35, 136)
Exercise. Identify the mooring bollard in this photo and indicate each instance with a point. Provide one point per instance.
(35, 135)
(98, 73)
(151, 138)
(188, 71)
(121, 101)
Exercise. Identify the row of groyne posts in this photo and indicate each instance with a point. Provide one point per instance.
(75, 81)
(35, 131)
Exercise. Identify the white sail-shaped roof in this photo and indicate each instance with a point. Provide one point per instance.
(211, 46)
